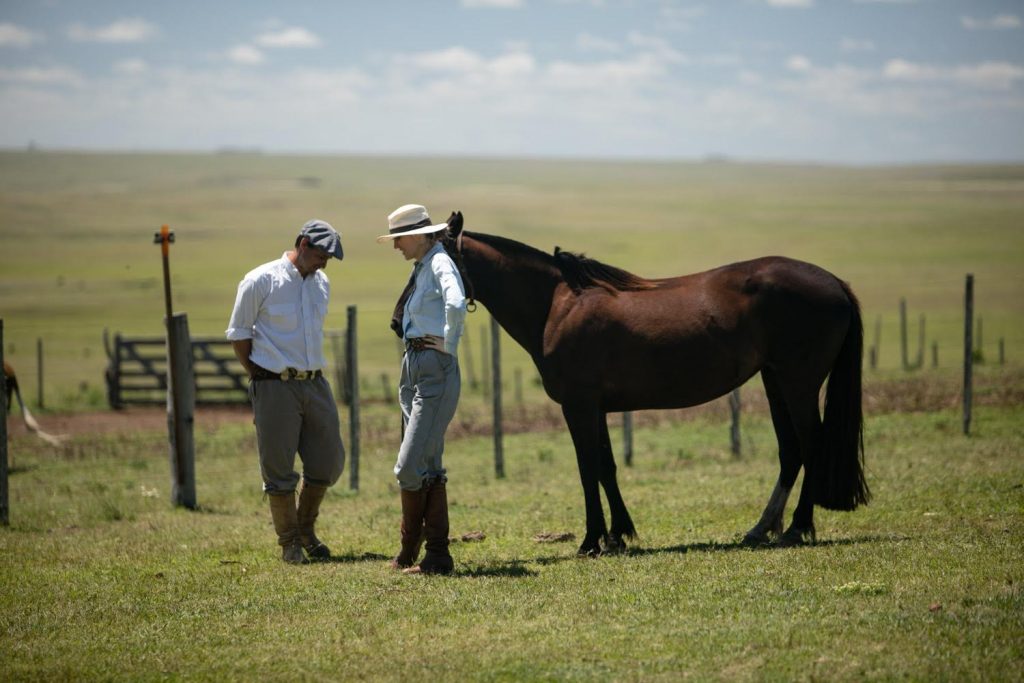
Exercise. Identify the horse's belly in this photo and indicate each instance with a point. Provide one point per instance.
(678, 379)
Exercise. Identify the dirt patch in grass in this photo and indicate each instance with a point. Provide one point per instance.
(918, 393)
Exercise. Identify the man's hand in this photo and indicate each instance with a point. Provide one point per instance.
(242, 349)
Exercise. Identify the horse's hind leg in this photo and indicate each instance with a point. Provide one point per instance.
(770, 524)
(622, 524)
(807, 423)
(583, 422)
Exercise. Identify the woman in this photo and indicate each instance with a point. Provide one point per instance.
(429, 318)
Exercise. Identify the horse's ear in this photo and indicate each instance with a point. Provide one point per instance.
(455, 224)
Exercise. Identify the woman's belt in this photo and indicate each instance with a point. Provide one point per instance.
(417, 344)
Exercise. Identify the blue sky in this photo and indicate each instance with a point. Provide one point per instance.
(836, 81)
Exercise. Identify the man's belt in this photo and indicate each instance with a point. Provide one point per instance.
(285, 375)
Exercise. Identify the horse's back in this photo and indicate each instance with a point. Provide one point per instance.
(693, 338)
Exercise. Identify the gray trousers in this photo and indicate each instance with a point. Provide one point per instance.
(298, 416)
(429, 394)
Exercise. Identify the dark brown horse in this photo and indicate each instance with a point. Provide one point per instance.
(605, 340)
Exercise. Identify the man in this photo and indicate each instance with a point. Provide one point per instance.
(276, 330)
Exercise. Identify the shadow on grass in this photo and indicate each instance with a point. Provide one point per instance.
(730, 546)
(350, 558)
(712, 546)
(513, 569)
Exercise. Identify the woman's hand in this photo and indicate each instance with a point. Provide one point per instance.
(434, 342)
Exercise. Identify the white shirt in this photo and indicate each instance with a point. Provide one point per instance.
(283, 313)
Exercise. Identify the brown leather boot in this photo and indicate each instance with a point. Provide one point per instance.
(286, 524)
(309, 508)
(413, 503)
(435, 528)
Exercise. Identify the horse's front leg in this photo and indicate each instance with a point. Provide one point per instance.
(622, 524)
(583, 422)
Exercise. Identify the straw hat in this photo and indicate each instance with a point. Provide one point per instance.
(411, 219)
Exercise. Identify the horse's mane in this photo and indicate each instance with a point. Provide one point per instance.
(578, 271)
(581, 272)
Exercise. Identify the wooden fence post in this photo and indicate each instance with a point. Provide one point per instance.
(734, 428)
(968, 349)
(979, 343)
(352, 363)
(876, 350)
(181, 403)
(39, 371)
(627, 438)
(467, 348)
(499, 452)
(5, 519)
(340, 361)
(920, 343)
(903, 335)
(485, 375)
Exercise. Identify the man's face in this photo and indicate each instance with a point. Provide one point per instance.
(310, 259)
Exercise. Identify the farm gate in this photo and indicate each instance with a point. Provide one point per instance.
(137, 371)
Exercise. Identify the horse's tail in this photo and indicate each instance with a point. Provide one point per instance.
(840, 471)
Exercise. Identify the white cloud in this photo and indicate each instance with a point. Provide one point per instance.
(12, 35)
(131, 67)
(456, 58)
(41, 76)
(855, 45)
(798, 63)
(790, 3)
(680, 18)
(289, 37)
(245, 55)
(501, 4)
(998, 22)
(658, 47)
(600, 77)
(990, 75)
(121, 31)
(591, 43)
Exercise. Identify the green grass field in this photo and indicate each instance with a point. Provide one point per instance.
(76, 251)
(103, 580)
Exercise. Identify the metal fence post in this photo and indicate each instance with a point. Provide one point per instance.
(968, 349)
(5, 519)
(627, 438)
(499, 453)
(352, 362)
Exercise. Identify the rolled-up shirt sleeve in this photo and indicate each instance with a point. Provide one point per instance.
(243, 315)
(454, 296)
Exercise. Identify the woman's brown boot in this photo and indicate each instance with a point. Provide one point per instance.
(435, 528)
(413, 503)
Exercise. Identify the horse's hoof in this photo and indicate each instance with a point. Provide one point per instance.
(589, 550)
(795, 537)
(613, 545)
(752, 540)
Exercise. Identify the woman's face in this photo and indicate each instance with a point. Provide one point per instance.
(412, 246)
